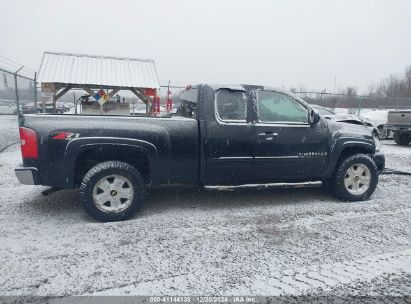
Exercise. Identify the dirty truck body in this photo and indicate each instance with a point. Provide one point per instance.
(223, 136)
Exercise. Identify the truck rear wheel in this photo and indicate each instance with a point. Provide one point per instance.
(402, 139)
(111, 191)
(355, 178)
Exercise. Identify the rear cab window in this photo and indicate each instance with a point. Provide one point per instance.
(188, 103)
(231, 106)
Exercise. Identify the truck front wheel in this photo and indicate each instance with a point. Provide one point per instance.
(111, 191)
(402, 139)
(355, 178)
(383, 133)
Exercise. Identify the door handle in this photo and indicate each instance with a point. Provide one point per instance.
(267, 134)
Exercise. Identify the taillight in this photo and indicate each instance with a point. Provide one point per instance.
(29, 146)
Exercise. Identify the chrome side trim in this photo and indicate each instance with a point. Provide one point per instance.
(277, 157)
(283, 124)
(269, 185)
(232, 158)
(251, 158)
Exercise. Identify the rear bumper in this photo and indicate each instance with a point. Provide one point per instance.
(379, 159)
(28, 175)
(398, 128)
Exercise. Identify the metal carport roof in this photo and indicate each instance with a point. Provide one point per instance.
(106, 71)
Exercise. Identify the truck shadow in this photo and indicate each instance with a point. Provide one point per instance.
(182, 197)
(61, 204)
(66, 203)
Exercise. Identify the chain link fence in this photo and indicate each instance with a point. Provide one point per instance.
(355, 103)
(16, 89)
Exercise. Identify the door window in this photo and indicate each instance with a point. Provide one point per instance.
(231, 105)
(273, 107)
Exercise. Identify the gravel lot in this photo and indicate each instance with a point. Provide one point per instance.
(190, 242)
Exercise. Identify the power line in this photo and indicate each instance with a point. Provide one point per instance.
(7, 64)
(14, 65)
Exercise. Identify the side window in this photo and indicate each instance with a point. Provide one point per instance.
(188, 99)
(278, 107)
(231, 105)
(187, 109)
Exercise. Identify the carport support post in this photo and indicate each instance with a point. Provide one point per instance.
(140, 94)
(54, 101)
(75, 103)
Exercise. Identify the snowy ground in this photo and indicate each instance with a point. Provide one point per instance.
(187, 242)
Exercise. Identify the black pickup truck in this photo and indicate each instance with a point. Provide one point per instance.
(221, 135)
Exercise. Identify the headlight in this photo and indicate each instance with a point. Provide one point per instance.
(377, 144)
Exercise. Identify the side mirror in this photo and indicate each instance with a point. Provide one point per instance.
(313, 117)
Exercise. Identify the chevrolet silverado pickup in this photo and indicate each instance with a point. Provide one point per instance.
(221, 135)
(400, 123)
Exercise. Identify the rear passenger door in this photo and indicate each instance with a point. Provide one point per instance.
(229, 144)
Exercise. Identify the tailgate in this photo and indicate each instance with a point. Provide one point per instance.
(399, 118)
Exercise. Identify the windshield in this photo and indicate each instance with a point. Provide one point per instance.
(323, 111)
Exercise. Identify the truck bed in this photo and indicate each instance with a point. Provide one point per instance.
(172, 144)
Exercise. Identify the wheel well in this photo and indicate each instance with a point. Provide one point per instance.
(353, 150)
(90, 157)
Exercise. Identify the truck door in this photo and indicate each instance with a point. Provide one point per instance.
(229, 143)
(286, 146)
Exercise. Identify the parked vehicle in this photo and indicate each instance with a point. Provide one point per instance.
(227, 135)
(7, 108)
(400, 123)
(379, 118)
(60, 108)
(348, 118)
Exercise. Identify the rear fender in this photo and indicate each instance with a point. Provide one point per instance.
(78, 145)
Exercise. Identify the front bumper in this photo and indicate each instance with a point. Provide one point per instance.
(379, 159)
(28, 175)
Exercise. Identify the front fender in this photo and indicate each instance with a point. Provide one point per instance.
(341, 144)
(78, 145)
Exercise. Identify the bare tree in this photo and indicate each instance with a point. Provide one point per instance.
(351, 91)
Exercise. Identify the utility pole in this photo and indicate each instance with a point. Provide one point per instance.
(17, 95)
(35, 90)
(335, 85)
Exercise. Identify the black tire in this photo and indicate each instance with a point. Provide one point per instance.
(337, 181)
(107, 169)
(402, 139)
(383, 133)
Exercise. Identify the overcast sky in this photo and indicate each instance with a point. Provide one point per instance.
(277, 43)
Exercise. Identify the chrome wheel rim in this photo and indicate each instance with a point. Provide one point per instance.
(113, 194)
(383, 134)
(357, 179)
